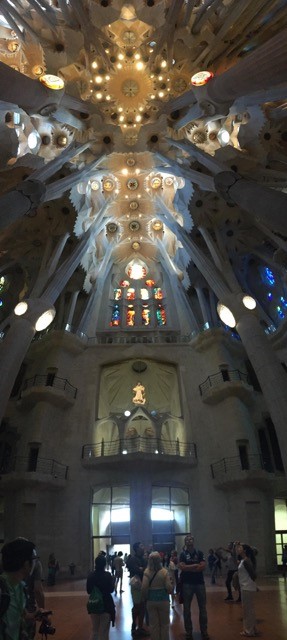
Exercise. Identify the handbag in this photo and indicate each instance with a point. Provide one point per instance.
(136, 583)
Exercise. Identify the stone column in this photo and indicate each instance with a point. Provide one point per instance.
(30, 95)
(268, 206)
(203, 305)
(14, 347)
(15, 204)
(73, 302)
(263, 68)
(140, 528)
(267, 367)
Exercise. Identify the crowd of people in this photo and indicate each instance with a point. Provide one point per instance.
(155, 581)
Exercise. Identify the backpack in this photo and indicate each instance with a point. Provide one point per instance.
(4, 597)
(95, 603)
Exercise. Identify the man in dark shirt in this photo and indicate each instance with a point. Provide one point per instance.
(192, 564)
(136, 565)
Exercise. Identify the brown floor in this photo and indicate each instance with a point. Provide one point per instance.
(68, 602)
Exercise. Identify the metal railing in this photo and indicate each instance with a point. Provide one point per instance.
(45, 466)
(50, 381)
(222, 376)
(139, 444)
(227, 466)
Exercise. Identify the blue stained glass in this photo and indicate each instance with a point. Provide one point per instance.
(1, 303)
(269, 296)
(269, 276)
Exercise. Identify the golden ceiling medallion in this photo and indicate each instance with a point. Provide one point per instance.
(156, 182)
(168, 181)
(108, 184)
(136, 246)
(134, 205)
(130, 88)
(52, 82)
(157, 225)
(131, 162)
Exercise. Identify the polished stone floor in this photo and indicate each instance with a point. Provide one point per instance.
(68, 600)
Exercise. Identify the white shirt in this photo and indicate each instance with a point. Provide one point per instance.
(245, 581)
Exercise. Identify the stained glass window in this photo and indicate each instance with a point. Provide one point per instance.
(150, 283)
(124, 283)
(131, 294)
(136, 271)
(117, 294)
(158, 293)
(144, 294)
(130, 316)
(145, 315)
(116, 318)
(160, 315)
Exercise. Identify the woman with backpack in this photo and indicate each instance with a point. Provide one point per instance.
(100, 606)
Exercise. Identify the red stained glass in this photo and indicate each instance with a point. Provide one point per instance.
(150, 283)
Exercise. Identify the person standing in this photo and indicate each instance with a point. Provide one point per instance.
(104, 581)
(35, 598)
(156, 587)
(18, 560)
(232, 566)
(192, 564)
(247, 577)
(53, 567)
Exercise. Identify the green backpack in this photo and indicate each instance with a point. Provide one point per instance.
(95, 603)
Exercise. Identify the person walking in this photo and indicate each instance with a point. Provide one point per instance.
(247, 577)
(136, 565)
(192, 564)
(118, 564)
(156, 588)
(103, 582)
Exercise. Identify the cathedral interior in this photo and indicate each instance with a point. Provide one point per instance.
(143, 274)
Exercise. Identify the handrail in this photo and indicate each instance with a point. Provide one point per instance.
(228, 375)
(253, 462)
(48, 466)
(139, 444)
(49, 381)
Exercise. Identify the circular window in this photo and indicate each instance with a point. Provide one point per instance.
(168, 181)
(134, 225)
(131, 162)
(134, 205)
(95, 185)
(52, 82)
(132, 184)
(112, 227)
(130, 88)
(136, 246)
(108, 184)
(155, 182)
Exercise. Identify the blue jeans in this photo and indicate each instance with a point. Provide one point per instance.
(188, 591)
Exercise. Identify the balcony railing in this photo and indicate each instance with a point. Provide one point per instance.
(222, 376)
(229, 466)
(139, 444)
(45, 466)
(48, 381)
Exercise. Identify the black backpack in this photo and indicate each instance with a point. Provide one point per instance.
(4, 597)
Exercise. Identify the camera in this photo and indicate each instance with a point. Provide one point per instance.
(46, 628)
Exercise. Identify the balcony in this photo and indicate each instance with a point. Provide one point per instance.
(232, 472)
(224, 384)
(137, 449)
(19, 471)
(48, 388)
